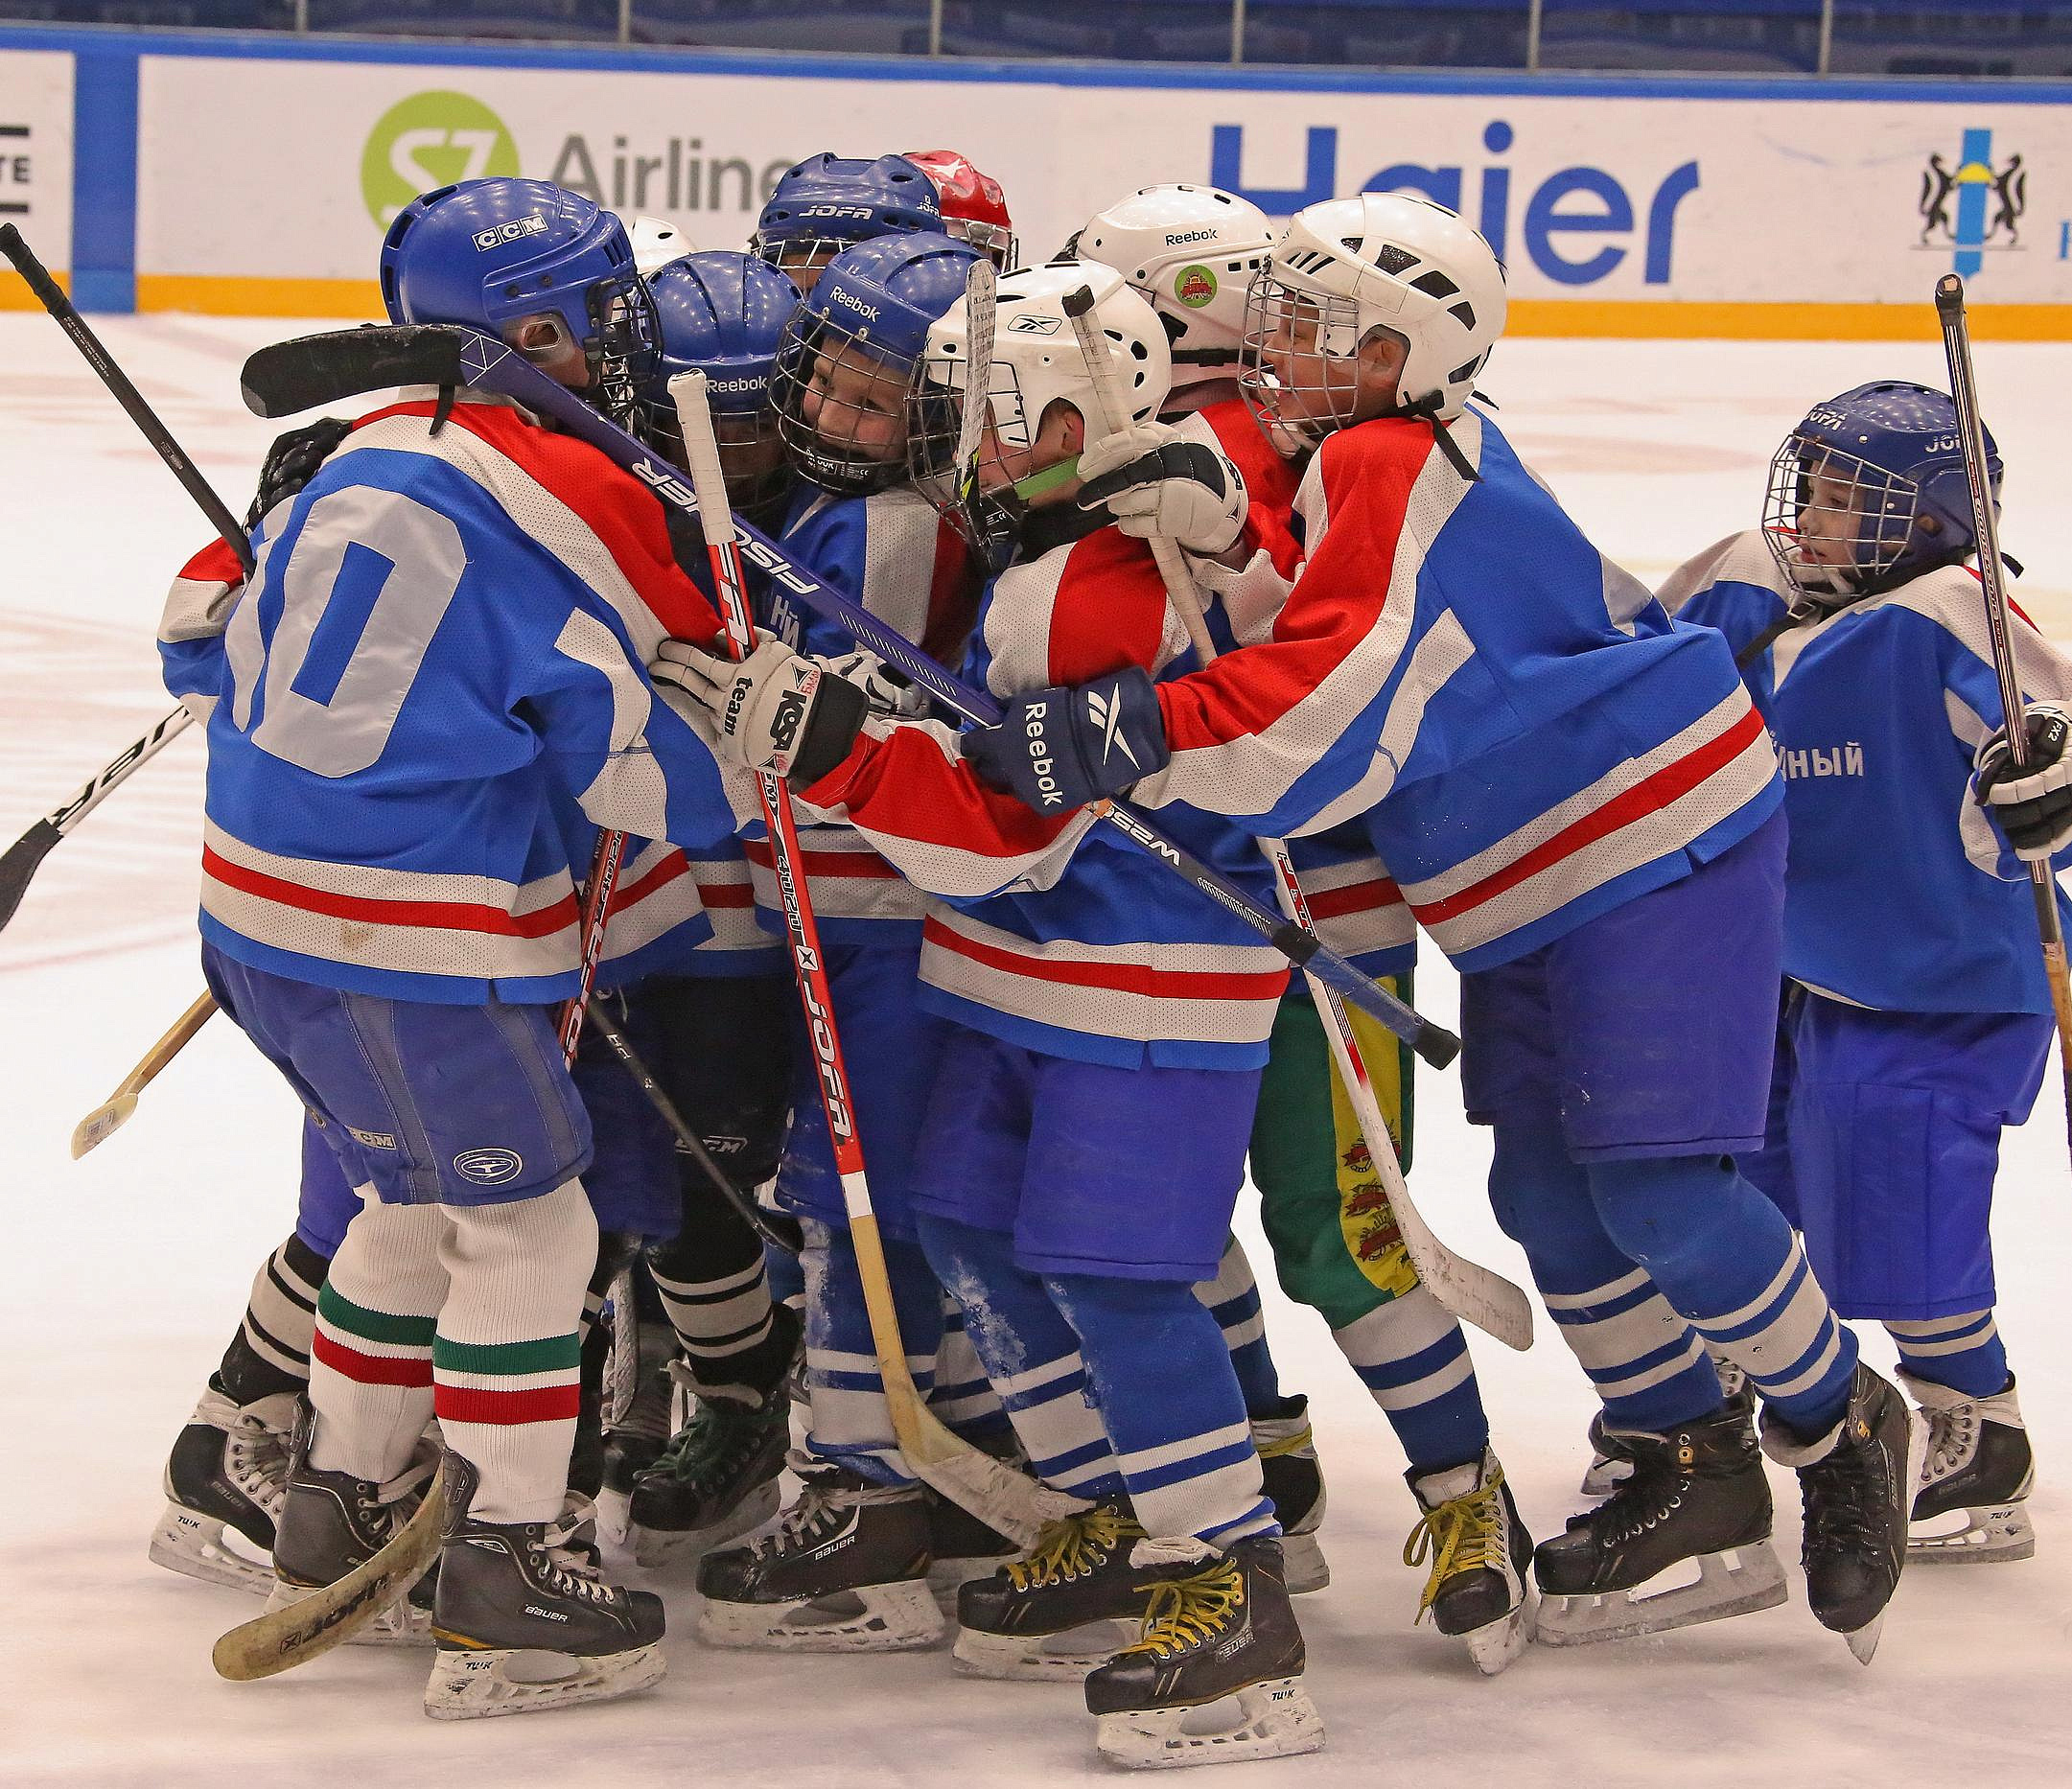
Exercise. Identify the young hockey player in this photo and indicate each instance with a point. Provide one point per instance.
(1917, 1019)
(829, 201)
(1190, 251)
(1581, 806)
(974, 207)
(447, 627)
(1088, 1128)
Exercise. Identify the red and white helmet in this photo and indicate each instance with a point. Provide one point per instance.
(974, 208)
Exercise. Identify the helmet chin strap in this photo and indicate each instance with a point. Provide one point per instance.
(1427, 410)
(1038, 483)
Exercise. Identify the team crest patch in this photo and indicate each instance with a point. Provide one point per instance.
(1195, 286)
(489, 1167)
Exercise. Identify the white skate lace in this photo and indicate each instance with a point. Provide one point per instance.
(257, 1459)
(1952, 1440)
(821, 1495)
(567, 1547)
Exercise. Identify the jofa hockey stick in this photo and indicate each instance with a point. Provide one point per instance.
(105, 1121)
(1474, 1293)
(1971, 437)
(315, 370)
(1018, 1506)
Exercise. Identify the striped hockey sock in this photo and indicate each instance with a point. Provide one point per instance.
(1648, 1366)
(963, 1398)
(506, 1359)
(1232, 1297)
(851, 1423)
(270, 1353)
(1962, 1352)
(1410, 1354)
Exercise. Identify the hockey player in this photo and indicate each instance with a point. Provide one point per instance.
(829, 201)
(1580, 804)
(1087, 1126)
(1191, 253)
(974, 207)
(1918, 1017)
(389, 909)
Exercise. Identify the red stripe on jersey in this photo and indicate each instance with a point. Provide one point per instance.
(445, 915)
(826, 865)
(652, 882)
(1109, 609)
(371, 1369)
(1353, 898)
(1650, 795)
(1130, 978)
(215, 564)
(954, 586)
(537, 1404)
(726, 894)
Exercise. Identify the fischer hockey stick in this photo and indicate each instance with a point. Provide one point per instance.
(1474, 1293)
(1014, 1504)
(105, 1120)
(315, 370)
(1971, 437)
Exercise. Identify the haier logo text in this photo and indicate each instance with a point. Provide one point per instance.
(1570, 224)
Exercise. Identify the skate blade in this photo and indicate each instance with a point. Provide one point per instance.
(403, 1623)
(1605, 1475)
(1863, 1641)
(1062, 1657)
(1302, 1557)
(1737, 1580)
(874, 1617)
(659, 1548)
(468, 1686)
(1273, 1720)
(209, 1549)
(1984, 1533)
(1497, 1646)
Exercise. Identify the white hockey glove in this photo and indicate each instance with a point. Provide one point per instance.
(775, 710)
(2032, 807)
(887, 691)
(1156, 482)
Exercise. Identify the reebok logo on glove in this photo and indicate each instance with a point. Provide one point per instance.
(1107, 716)
(1041, 765)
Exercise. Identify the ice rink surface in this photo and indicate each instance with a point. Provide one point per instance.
(125, 1273)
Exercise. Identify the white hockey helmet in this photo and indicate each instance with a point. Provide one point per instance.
(1390, 260)
(1192, 251)
(656, 243)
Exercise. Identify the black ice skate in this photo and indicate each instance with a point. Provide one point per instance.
(715, 1480)
(1224, 1630)
(1695, 1493)
(1069, 1603)
(1969, 1504)
(961, 1547)
(1480, 1586)
(332, 1522)
(523, 1621)
(1609, 1462)
(1856, 1484)
(228, 1476)
(637, 1415)
(845, 1570)
(1295, 1481)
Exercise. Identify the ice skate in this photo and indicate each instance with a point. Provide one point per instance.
(1480, 1588)
(226, 1481)
(1295, 1481)
(960, 1549)
(1069, 1603)
(1609, 1463)
(845, 1570)
(1222, 1632)
(1969, 1500)
(715, 1482)
(1683, 1539)
(524, 1622)
(637, 1417)
(1856, 1483)
(332, 1522)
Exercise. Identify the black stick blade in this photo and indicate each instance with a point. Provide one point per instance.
(20, 864)
(312, 371)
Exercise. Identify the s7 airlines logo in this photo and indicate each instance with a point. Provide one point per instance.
(428, 140)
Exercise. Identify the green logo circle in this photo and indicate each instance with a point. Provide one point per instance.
(428, 140)
(1195, 286)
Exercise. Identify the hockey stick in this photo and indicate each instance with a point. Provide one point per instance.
(1469, 1291)
(780, 1229)
(105, 1121)
(1971, 437)
(323, 369)
(1018, 1506)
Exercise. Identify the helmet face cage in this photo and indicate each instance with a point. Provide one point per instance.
(1295, 368)
(795, 255)
(624, 348)
(986, 514)
(841, 406)
(998, 244)
(1837, 525)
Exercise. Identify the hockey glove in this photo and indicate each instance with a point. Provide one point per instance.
(775, 710)
(291, 462)
(885, 688)
(2031, 807)
(1154, 481)
(1059, 748)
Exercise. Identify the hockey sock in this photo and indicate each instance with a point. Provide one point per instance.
(1410, 1354)
(1030, 1354)
(507, 1355)
(1169, 1399)
(370, 1356)
(851, 1422)
(1232, 1297)
(1723, 1256)
(1962, 1352)
(964, 1396)
(271, 1352)
(1646, 1364)
(716, 1294)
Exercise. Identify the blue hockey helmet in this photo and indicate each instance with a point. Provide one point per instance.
(723, 314)
(829, 201)
(853, 352)
(1870, 490)
(489, 253)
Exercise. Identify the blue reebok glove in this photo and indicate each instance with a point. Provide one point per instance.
(1058, 748)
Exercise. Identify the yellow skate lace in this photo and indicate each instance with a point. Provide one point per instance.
(1184, 1612)
(1070, 1547)
(1462, 1534)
